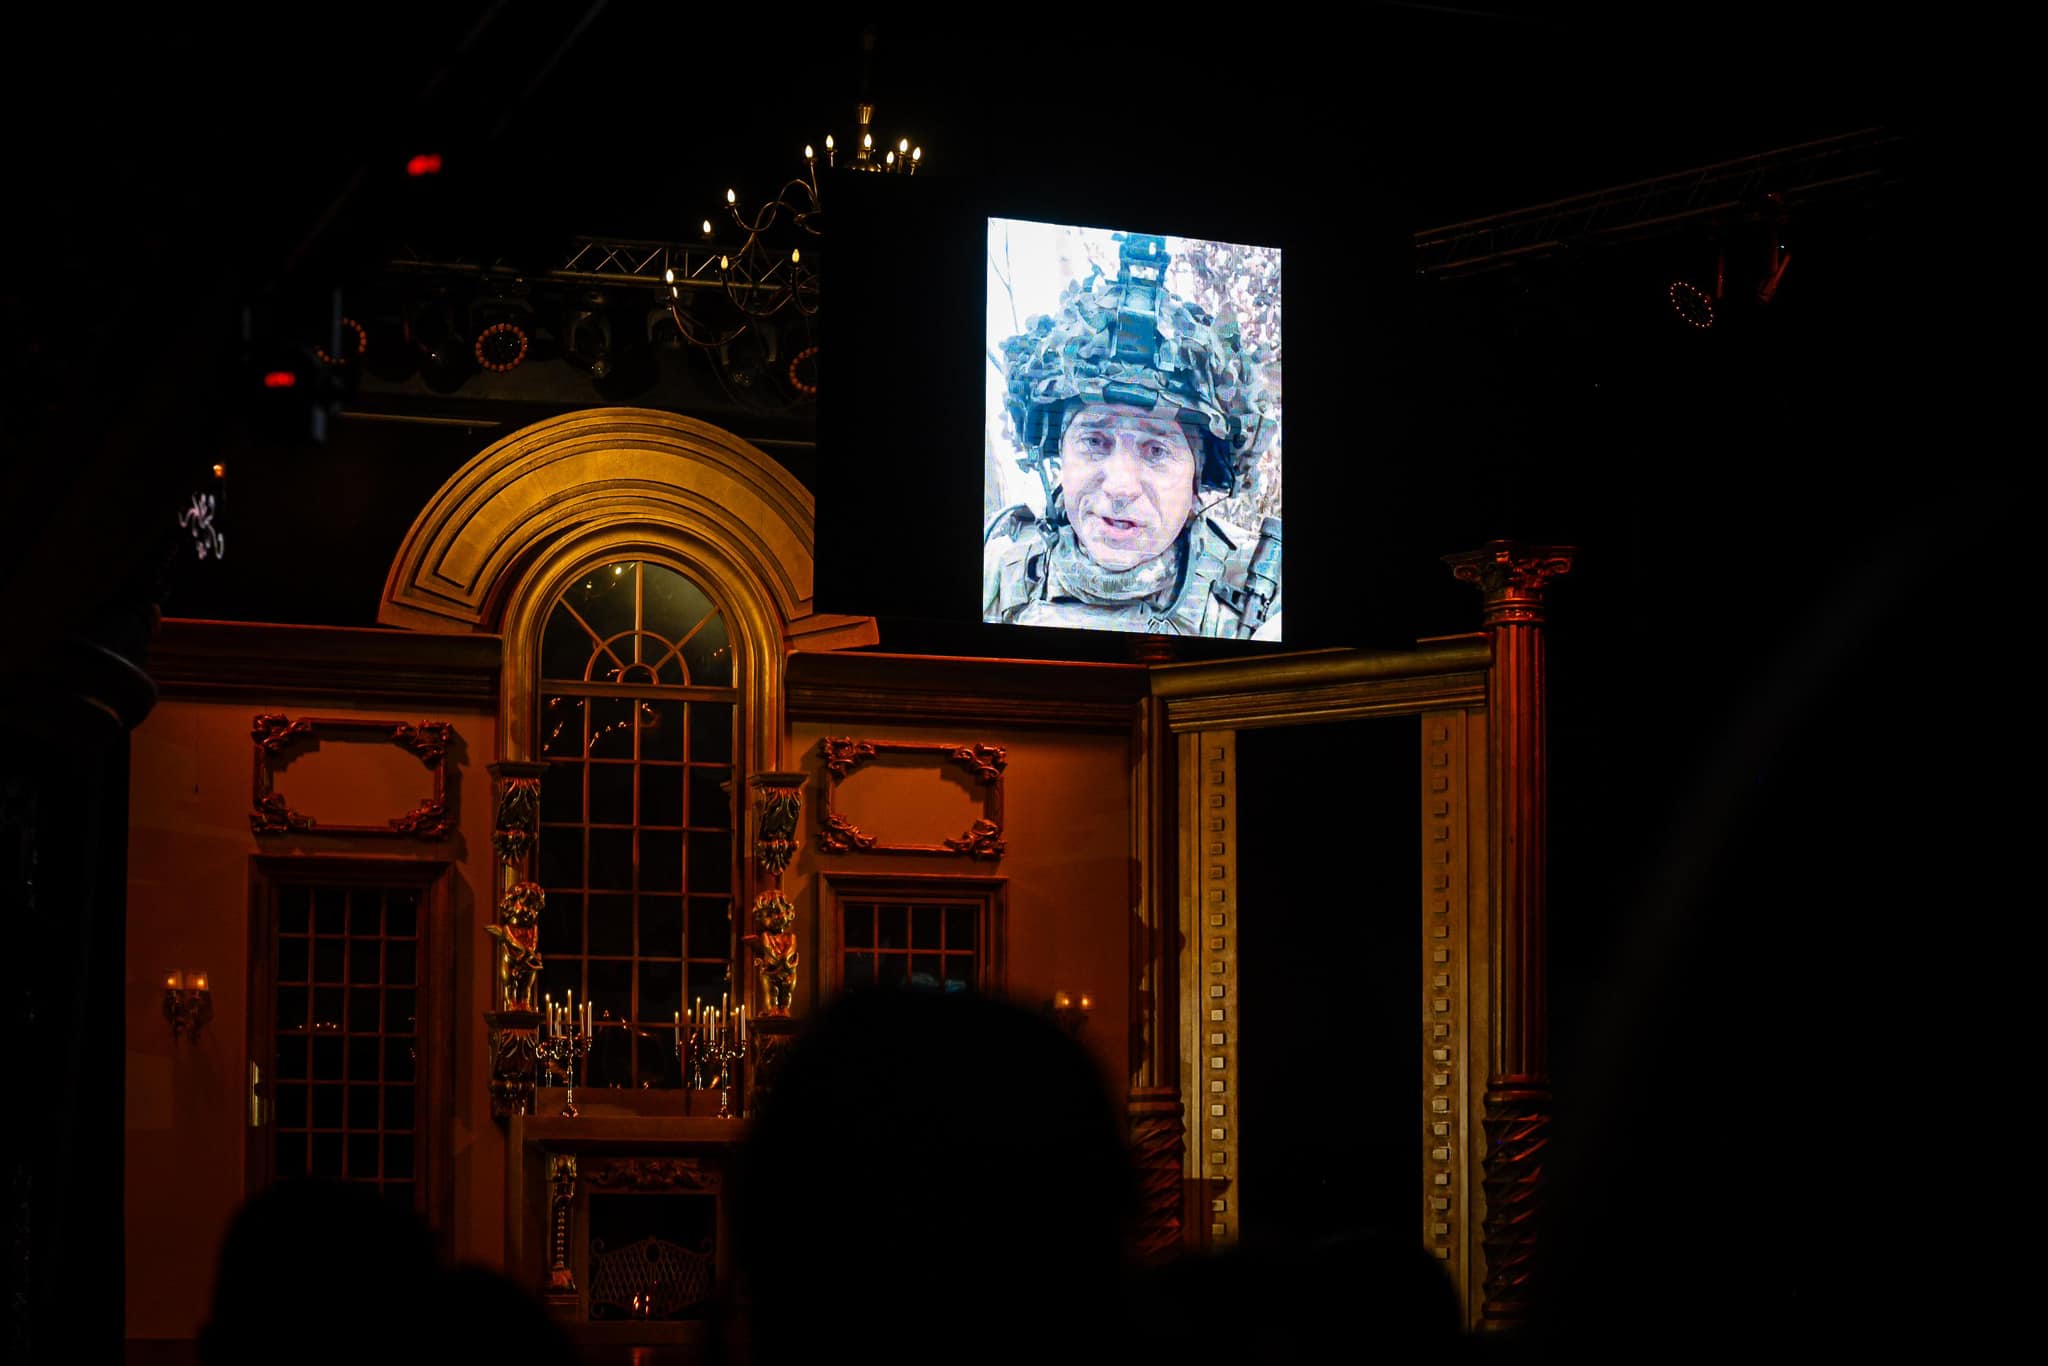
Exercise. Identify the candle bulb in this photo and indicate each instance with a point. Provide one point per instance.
(198, 981)
(175, 982)
(743, 1026)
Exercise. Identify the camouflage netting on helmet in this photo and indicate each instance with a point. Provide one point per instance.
(1130, 340)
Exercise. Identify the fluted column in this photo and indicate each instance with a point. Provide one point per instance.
(1512, 577)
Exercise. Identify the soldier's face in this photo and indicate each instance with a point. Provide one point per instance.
(1128, 476)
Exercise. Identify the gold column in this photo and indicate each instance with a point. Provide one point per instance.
(1512, 578)
(514, 1021)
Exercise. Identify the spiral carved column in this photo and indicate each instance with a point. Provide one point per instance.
(1512, 577)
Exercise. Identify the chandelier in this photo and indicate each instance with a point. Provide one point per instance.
(767, 273)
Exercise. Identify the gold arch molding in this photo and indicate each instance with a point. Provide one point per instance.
(549, 502)
(606, 468)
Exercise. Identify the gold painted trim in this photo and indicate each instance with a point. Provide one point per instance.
(538, 488)
(1209, 996)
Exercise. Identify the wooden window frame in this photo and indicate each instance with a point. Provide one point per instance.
(991, 896)
(433, 880)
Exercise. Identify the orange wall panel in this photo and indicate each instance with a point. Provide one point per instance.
(190, 847)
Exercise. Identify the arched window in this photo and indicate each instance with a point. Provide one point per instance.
(635, 717)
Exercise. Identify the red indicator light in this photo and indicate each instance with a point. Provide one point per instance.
(279, 379)
(426, 163)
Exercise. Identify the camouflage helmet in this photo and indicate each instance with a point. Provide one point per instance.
(1131, 340)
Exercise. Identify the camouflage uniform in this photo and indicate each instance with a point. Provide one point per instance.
(1129, 341)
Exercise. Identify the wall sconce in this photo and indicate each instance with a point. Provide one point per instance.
(1068, 1012)
(188, 1003)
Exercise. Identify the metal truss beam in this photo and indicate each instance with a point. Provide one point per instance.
(1828, 168)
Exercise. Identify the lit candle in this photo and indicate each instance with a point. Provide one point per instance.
(175, 982)
(199, 981)
(743, 1026)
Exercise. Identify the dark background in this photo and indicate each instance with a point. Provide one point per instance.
(1792, 736)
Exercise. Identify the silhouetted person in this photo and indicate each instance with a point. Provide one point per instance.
(321, 1271)
(934, 1178)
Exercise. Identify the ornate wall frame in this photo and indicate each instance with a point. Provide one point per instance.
(276, 735)
(983, 839)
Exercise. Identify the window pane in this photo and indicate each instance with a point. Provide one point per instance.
(362, 1157)
(611, 860)
(711, 733)
(362, 1106)
(611, 794)
(658, 1062)
(294, 910)
(291, 1056)
(661, 730)
(326, 1156)
(561, 729)
(398, 1107)
(291, 1156)
(892, 969)
(399, 1016)
(860, 970)
(709, 655)
(661, 991)
(959, 927)
(710, 927)
(291, 1107)
(860, 925)
(611, 925)
(710, 862)
(559, 976)
(362, 1059)
(561, 924)
(327, 1057)
(330, 906)
(959, 970)
(710, 805)
(564, 646)
(327, 1107)
(363, 1010)
(708, 983)
(292, 1005)
(561, 794)
(924, 927)
(398, 963)
(561, 856)
(890, 927)
(398, 1155)
(661, 795)
(661, 926)
(925, 971)
(611, 990)
(329, 956)
(661, 861)
(604, 598)
(399, 1060)
(611, 729)
(362, 961)
(327, 1008)
(401, 914)
(365, 912)
(670, 603)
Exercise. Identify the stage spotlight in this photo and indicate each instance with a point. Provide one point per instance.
(503, 325)
(1691, 304)
(447, 356)
(355, 340)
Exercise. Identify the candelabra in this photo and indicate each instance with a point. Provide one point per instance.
(726, 1051)
(707, 1051)
(562, 1048)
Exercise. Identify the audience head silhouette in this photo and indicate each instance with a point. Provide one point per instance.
(939, 1177)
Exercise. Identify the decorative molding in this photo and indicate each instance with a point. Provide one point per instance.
(1209, 930)
(516, 827)
(983, 839)
(1512, 577)
(274, 734)
(778, 813)
(1010, 693)
(1451, 771)
(1313, 704)
(514, 1061)
(773, 941)
(268, 663)
(560, 478)
(649, 1174)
